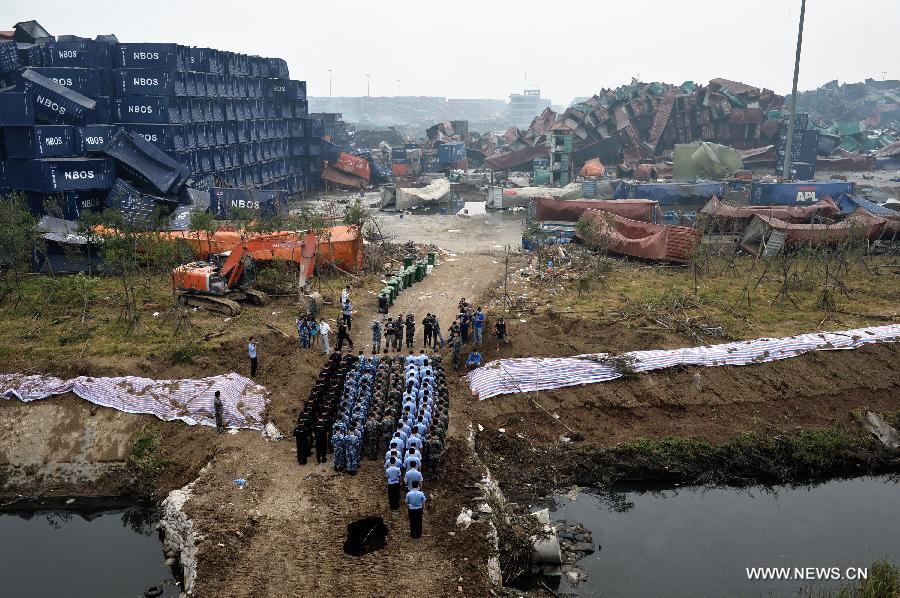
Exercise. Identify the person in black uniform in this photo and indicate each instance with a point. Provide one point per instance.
(301, 433)
(321, 433)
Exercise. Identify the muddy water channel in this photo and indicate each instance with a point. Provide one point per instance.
(82, 553)
(700, 541)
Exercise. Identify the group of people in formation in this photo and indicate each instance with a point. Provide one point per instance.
(362, 405)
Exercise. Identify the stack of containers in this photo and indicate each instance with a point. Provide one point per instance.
(232, 119)
(452, 155)
(315, 162)
(804, 146)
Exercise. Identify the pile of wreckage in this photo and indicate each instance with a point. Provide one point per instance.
(353, 169)
(856, 118)
(632, 228)
(766, 230)
(638, 125)
(642, 121)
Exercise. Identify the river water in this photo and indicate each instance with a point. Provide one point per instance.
(105, 554)
(699, 541)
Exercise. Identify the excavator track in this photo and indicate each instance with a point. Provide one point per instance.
(217, 304)
(256, 297)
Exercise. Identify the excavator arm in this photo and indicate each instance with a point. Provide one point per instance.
(270, 248)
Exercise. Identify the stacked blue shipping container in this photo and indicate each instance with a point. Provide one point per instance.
(232, 119)
(804, 144)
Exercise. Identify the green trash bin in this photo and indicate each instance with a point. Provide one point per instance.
(389, 291)
(394, 283)
(410, 276)
(408, 260)
(420, 271)
(424, 264)
(431, 258)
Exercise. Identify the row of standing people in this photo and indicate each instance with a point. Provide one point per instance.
(394, 331)
(421, 426)
(320, 410)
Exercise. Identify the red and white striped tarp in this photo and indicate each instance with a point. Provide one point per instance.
(190, 401)
(529, 374)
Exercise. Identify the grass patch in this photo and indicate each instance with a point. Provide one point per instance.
(630, 291)
(185, 352)
(144, 454)
(894, 420)
(821, 449)
(883, 582)
(809, 453)
(51, 324)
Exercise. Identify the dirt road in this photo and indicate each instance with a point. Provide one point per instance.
(282, 535)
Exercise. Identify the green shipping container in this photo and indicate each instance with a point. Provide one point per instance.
(562, 140)
(541, 176)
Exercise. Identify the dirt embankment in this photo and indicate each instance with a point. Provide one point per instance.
(64, 446)
(730, 424)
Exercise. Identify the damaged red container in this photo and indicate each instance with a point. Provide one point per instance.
(354, 165)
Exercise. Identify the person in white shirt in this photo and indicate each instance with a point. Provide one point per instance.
(324, 329)
(251, 351)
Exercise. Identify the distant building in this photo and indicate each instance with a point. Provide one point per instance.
(420, 111)
(523, 107)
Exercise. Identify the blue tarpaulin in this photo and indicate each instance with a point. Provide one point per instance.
(849, 204)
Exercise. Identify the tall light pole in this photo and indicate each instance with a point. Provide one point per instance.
(329, 83)
(399, 81)
(790, 132)
(368, 85)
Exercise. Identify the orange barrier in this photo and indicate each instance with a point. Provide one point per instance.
(338, 245)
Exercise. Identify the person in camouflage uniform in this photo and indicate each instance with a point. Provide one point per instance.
(352, 441)
(372, 437)
(376, 336)
(338, 445)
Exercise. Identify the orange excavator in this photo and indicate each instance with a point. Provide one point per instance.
(227, 279)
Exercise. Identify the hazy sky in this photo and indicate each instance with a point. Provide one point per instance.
(466, 48)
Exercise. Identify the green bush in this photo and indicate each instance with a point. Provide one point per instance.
(883, 582)
(184, 352)
(144, 453)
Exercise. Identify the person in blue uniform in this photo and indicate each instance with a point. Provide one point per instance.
(413, 475)
(415, 504)
(393, 480)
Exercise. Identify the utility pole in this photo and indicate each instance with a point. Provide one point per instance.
(790, 132)
(368, 85)
(329, 83)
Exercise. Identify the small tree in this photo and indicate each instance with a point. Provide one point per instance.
(356, 215)
(203, 222)
(117, 242)
(19, 238)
